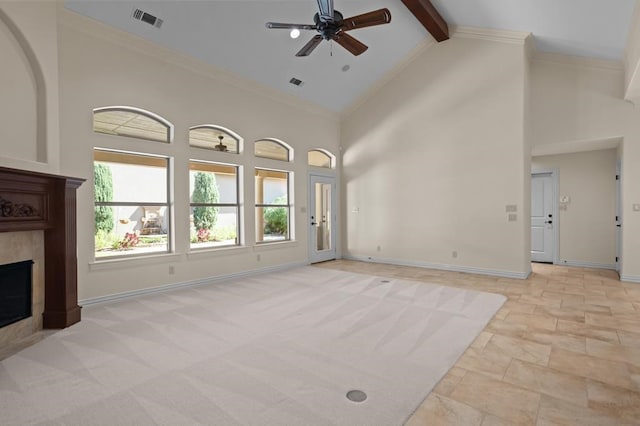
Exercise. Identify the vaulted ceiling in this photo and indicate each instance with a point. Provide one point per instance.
(232, 35)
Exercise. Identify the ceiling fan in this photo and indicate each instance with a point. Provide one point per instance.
(221, 147)
(331, 25)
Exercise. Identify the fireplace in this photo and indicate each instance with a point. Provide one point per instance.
(15, 292)
(40, 210)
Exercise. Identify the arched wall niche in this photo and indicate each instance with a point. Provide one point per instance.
(23, 114)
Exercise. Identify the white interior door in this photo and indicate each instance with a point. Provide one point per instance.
(322, 218)
(542, 220)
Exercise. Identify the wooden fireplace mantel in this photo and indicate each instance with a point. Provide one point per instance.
(31, 201)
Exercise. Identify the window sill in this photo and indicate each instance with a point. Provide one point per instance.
(206, 253)
(276, 245)
(131, 262)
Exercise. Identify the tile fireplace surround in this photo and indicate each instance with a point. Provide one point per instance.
(38, 222)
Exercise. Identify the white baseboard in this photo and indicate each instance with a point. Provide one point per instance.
(581, 264)
(444, 267)
(193, 283)
(630, 278)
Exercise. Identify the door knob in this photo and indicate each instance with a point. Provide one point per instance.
(549, 222)
(314, 223)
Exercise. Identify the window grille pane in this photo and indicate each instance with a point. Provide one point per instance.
(135, 178)
(209, 137)
(133, 230)
(271, 149)
(224, 232)
(131, 123)
(319, 159)
(224, 179)
(272, 224)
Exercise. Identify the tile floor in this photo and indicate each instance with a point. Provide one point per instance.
(563, 350)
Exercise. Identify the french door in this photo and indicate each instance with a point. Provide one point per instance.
(322, 218)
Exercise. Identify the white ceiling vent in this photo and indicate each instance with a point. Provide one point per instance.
(143, 16)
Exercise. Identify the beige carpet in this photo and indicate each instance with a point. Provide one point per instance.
(279, 349)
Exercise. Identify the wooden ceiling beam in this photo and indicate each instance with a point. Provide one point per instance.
(428, 15)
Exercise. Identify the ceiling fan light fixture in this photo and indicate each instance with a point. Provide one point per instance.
(221, 147)
(330, 25)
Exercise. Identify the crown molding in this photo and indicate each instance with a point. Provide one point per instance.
(577, 61)
(390, 75)
(99, 30)
(501, 36)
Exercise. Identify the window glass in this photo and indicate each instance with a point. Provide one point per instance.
(214, 214)
(132, 214)
(215, 138)
(273, 208)
(272, 149)
(319, 158)
(132, 123)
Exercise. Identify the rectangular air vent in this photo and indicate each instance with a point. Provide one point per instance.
(296, 82)
(143, 16)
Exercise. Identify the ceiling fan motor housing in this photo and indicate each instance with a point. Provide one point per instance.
(328, 29)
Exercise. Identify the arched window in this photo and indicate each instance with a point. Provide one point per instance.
(273, 149)
(321, 158)
(132, 122)
(213, 137)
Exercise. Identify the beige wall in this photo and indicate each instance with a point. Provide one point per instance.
(587, 226)
(632, 59)
(578, 105)
(103, 67)
(432, 159)
(29, 133)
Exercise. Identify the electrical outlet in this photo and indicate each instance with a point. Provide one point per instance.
(513, 217)
(454, 254)
(258, 257)
(379, 248)
(172, 270)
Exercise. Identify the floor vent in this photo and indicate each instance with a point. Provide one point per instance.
(143, 16)
(356, 395)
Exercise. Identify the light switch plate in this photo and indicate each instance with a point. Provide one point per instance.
(513, 217)
(565, 199)
(511, 208)
(636, 207)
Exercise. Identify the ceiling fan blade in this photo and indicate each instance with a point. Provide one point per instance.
(309, 47)
(369, 19)
(351, 44)
(326, 10)
(283, 26)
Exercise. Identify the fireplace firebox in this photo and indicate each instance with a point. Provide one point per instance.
(15, 292)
